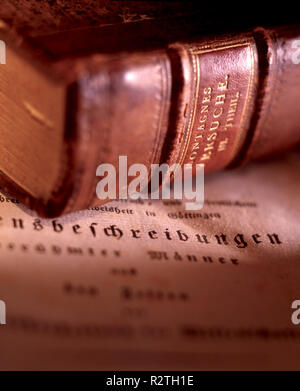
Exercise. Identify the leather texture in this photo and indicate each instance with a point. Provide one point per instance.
(218, 100)
(276, 119)
(123, 110)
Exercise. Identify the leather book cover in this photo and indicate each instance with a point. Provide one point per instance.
(219, 99)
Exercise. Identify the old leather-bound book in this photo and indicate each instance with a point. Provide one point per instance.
(72, 97)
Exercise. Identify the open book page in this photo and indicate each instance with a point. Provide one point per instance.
(148, 285)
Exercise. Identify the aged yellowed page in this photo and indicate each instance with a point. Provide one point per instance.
(150, 286)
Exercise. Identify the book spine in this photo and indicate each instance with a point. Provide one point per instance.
(219, 102)
(239, 98)
(275, 122)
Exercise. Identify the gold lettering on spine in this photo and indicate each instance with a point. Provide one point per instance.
(214, 125)
(216, 112)
(223, 145)
(190, 125)
(232, 111)
(206, 98)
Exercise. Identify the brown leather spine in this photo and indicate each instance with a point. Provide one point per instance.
(276, 120)
(218, 102)
(122, 110)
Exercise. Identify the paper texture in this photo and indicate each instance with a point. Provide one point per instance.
(204, 290)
